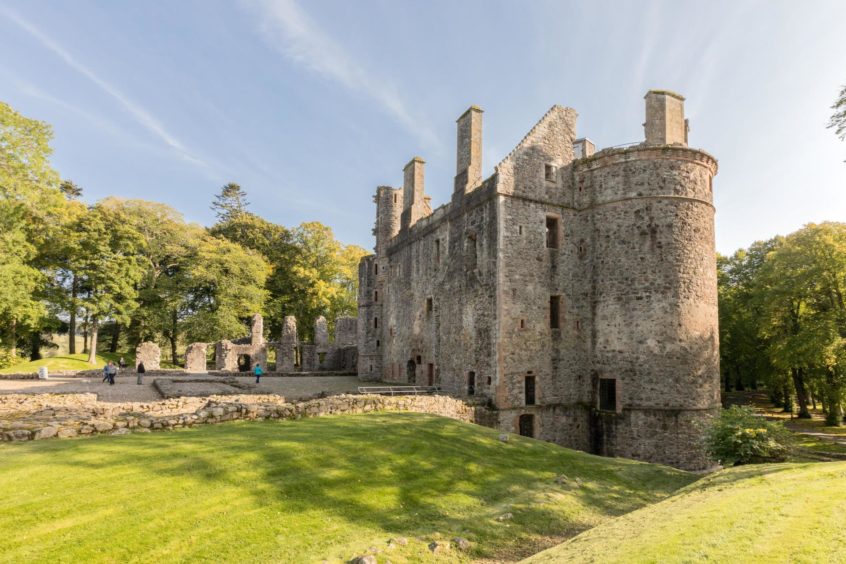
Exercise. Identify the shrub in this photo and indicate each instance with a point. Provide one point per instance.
(7, 359)
(738, 436)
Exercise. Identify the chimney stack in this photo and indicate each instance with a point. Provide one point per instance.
(468, 170)
(665, 123)
(413, 196)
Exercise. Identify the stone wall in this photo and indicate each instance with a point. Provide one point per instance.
(46, 416)
(195, 358)
(619, 243)
(148, 353)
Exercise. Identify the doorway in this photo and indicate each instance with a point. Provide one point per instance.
(526, 425)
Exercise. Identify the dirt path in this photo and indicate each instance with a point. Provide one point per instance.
(125, 388)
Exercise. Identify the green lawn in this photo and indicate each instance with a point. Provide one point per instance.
(767, 513)
(308, 490)
(72, 362)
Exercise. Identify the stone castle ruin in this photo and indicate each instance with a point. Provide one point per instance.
(292, 355)
(575, 290)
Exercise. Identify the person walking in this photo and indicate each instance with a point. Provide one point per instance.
(106, 372)
(112, 370)
(258, 372)
(121, 363)
(140, 370)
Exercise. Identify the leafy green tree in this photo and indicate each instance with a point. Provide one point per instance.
(230, 203)
(275, 244)
(168, 245)
(226, 286)
(70, 190)
(29, 199)
(738, 436)
(108, 268)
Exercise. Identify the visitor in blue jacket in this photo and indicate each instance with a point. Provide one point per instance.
(258, 372)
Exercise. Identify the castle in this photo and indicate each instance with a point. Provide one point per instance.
(574, 290)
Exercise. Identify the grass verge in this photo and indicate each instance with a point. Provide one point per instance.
(323, 488)
(759, 513)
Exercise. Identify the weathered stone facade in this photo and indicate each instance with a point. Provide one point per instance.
(578, 295)
(195, 358)
(150, 354)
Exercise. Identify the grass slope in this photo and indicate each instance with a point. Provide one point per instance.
(767, 513)
(308, 490)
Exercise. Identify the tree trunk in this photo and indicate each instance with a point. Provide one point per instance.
(13, 340)
(788, 399)
(35, 346)
(92, 349)
(173, 321)
(801, 394)
(85, 325)
(115, 337)
(72, 322)
(835, 412)
(738, 380)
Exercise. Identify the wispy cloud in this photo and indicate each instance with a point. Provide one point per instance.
(141, 115)
(290, 30)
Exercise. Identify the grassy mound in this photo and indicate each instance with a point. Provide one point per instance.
(308, 490)
(768, 513)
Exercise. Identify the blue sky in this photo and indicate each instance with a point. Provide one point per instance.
(311, 105)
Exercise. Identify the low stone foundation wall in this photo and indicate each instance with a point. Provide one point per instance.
(44, 416)
(173, 372)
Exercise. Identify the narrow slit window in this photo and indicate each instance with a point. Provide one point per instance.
(607, 394)
(522, 324)
(551, 232)
(529, 390)
(554, 312)
(375, 322)
(430, 306)
(471, 383)
(549, 173)
(437, 251)
(375, 295)
(376, 269)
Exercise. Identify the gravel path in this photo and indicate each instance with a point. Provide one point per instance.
(125, 388)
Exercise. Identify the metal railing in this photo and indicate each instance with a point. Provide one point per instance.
(398, 390)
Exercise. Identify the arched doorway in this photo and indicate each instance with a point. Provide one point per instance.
(411, 371)
(244, 363)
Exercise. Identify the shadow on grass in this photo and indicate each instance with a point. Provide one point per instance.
(405, 474)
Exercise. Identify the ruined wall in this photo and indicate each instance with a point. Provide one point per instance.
(195, 358)
(148, 353)
(439, 298)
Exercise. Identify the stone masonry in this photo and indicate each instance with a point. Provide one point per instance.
(148, 353)
(574, 290)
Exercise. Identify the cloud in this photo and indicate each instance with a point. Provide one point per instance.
(141, 115)
(289, 29)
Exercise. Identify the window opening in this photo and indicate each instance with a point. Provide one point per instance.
(549, 173)
(471, 383)
(554, 312)
(529, 389)
(551, 232)
(608, 394)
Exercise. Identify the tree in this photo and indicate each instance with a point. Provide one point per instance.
(838, 118)
(70, 190)
(29, 198)
(230, 203)
(168, 244)
(226, 286)
(108, 269)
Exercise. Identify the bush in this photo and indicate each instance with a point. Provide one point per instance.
(7, 359)
(738, 436)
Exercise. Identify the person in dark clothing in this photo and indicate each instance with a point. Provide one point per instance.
(140, 370)
(112, 372)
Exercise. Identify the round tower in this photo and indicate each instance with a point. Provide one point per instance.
(654, 343)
